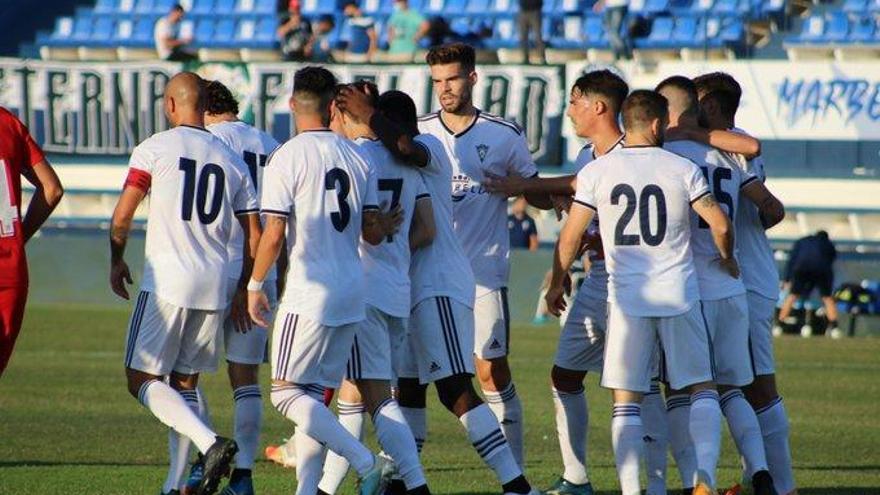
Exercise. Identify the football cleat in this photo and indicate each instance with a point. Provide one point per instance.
(806, 331)
(736, 489)
(565, 487)
(172, 492)
(762, 483)
(196, 473)
(395, 487)
(533, 491)
(777, 331)
(242, 486)
(376, 479)
(703, 489)
(835, 333)
(284, 454)
(216, 465)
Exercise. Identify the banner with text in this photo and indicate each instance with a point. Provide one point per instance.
(107, 108)
(781, 100)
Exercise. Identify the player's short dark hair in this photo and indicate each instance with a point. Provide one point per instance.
(452, 53)
(727, 101)
(605, 84)
(399, 108)
(368, 87)
(316, 87)
(642, 107)
(686, 87)
(218, 99)
(177, 8)
(719, 81)
(328, 18)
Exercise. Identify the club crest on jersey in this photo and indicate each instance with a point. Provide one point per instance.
(482, 151)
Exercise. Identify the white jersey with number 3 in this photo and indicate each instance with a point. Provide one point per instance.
(254, 147)
(323, 184)
(387, 265)
(721, 170)
(490, 145)
(643, 196)
(197, 186)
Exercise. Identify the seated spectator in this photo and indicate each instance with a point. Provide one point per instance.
(294, 33)
(405, 28)
(521, 227)
(166, 34)
(364, 40)
(319, 47)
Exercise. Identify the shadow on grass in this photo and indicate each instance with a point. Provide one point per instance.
(26, 463)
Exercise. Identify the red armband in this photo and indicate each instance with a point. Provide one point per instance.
(139, 179)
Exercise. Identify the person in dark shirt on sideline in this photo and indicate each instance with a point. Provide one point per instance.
(810, 267)
(522, 229)
(530, 20)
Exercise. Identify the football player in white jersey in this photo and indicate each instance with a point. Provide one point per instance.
(644, 195)
(441, 319)
(723, 299)
(198, 188)
(477, 144)
(381, 339)
(320, 193)
(720, 95)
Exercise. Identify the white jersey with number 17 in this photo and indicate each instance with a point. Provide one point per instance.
(322, 184)
(643, 196)
(254, 146)
(197, 186)
(387, 265)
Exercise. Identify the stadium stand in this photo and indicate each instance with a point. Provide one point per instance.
(241, 29)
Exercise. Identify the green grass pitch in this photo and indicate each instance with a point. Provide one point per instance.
(68, 426)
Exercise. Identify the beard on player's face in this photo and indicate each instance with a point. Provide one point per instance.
(456, 100)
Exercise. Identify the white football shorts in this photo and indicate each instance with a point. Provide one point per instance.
(631, 344)
(441, 338)
(728, 323)
(582, 340)
(492, 325)
(163, 337)
(306, 352)
(249, 347)
(761, 311)
(375, 353)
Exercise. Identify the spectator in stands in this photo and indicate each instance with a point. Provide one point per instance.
(294, 33)
(166, 34)
(405, 28)
(521, 226)
(615, 13)
(364, 40)
(319, 47)
(530, 21)
(810, 267)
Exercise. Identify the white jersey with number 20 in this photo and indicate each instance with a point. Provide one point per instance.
(323, 184)
(643, 196)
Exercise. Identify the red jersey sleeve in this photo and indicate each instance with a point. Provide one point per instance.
(31, 154)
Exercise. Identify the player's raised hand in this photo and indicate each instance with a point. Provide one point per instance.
(239, 311)
(258, 307)
(561, 204)
(555, 299)
(356, 103)
(391, 220)
(119, 277)
(508, 186)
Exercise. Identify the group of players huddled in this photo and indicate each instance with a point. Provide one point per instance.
(395, 269)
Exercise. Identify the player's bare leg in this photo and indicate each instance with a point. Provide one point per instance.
(248, 419)
(169, 407)
(787, 305)
(764, 398)
(572, 425)
(497, 385)
(830, 306)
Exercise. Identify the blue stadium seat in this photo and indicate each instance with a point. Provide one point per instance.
(812, 31)
(648, 7)
(685, 31)
(863, 30)
(453, 7)
(62, 33)
(143, 31)
(855, 6)
(700, 6)
(660, 36)
(255, 6)
(163, 6)
(204, 31)
(837, 27)
(142, 7)
(550, 7)
(224, 6)
(480, 7)
(594, 32)
(82, 29)
(572, 6)
(102, 31)
(202, 7)
(106, 6)
(501, 7)
(567, 33)
(433, 7)
(504, 34)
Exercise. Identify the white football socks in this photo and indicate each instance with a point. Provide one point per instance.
(506, 406)
(705, 429)
(656, 439)
(627, 441)
(417, 419)
(397, 441)
(745, 430)
(313, 418)
(178, 447)
(351, 417)
(775, 430)
(572, 423)
(171, 409)
(309, 463)
(485, 435)
(248, 419)
(678, 416)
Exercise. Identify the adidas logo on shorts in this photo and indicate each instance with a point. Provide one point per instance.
(434, 367)
(495, 344)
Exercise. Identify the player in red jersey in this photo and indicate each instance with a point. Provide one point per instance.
(19, 155)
